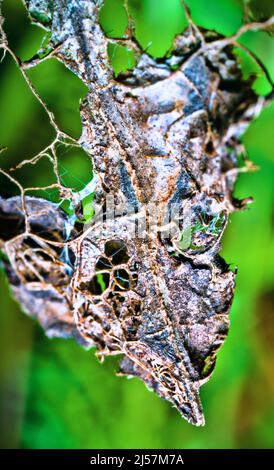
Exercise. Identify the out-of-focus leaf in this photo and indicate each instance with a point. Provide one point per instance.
(17, 26)
(62, 92)
(261, 44)
(113, 18)
(225, 16)
(121, 58)
(25, 129)
(157, 23)
(251, 69)
(261, 9)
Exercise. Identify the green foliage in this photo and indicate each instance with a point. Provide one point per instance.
(121, 58)
(261, 9)
(261, 44)
(113, 18)
(87, 208)
(27, 121)
(24, 38)
(74, 167)
(225, 16)
(156, 24)
(251, 69)
(202, 224)
(147, 22)
(85, 199)
(62, 92)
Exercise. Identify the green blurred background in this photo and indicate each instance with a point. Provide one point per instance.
(53, 393)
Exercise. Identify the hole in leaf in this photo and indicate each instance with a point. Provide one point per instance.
(261, 45)
(99, 283)
(157, 23)
(122, 58)
(11, 225)
(24, 38)
(87, 208)
(42, 15)
(251, 69)
(8, 188)
(223, 16)
(25, 129)
(122, 279)
(39, 175)
(134, 279)
(74, 165)
(103, 263)
(117, 250)
(261, 9)
(62, 92)
(113, 18)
